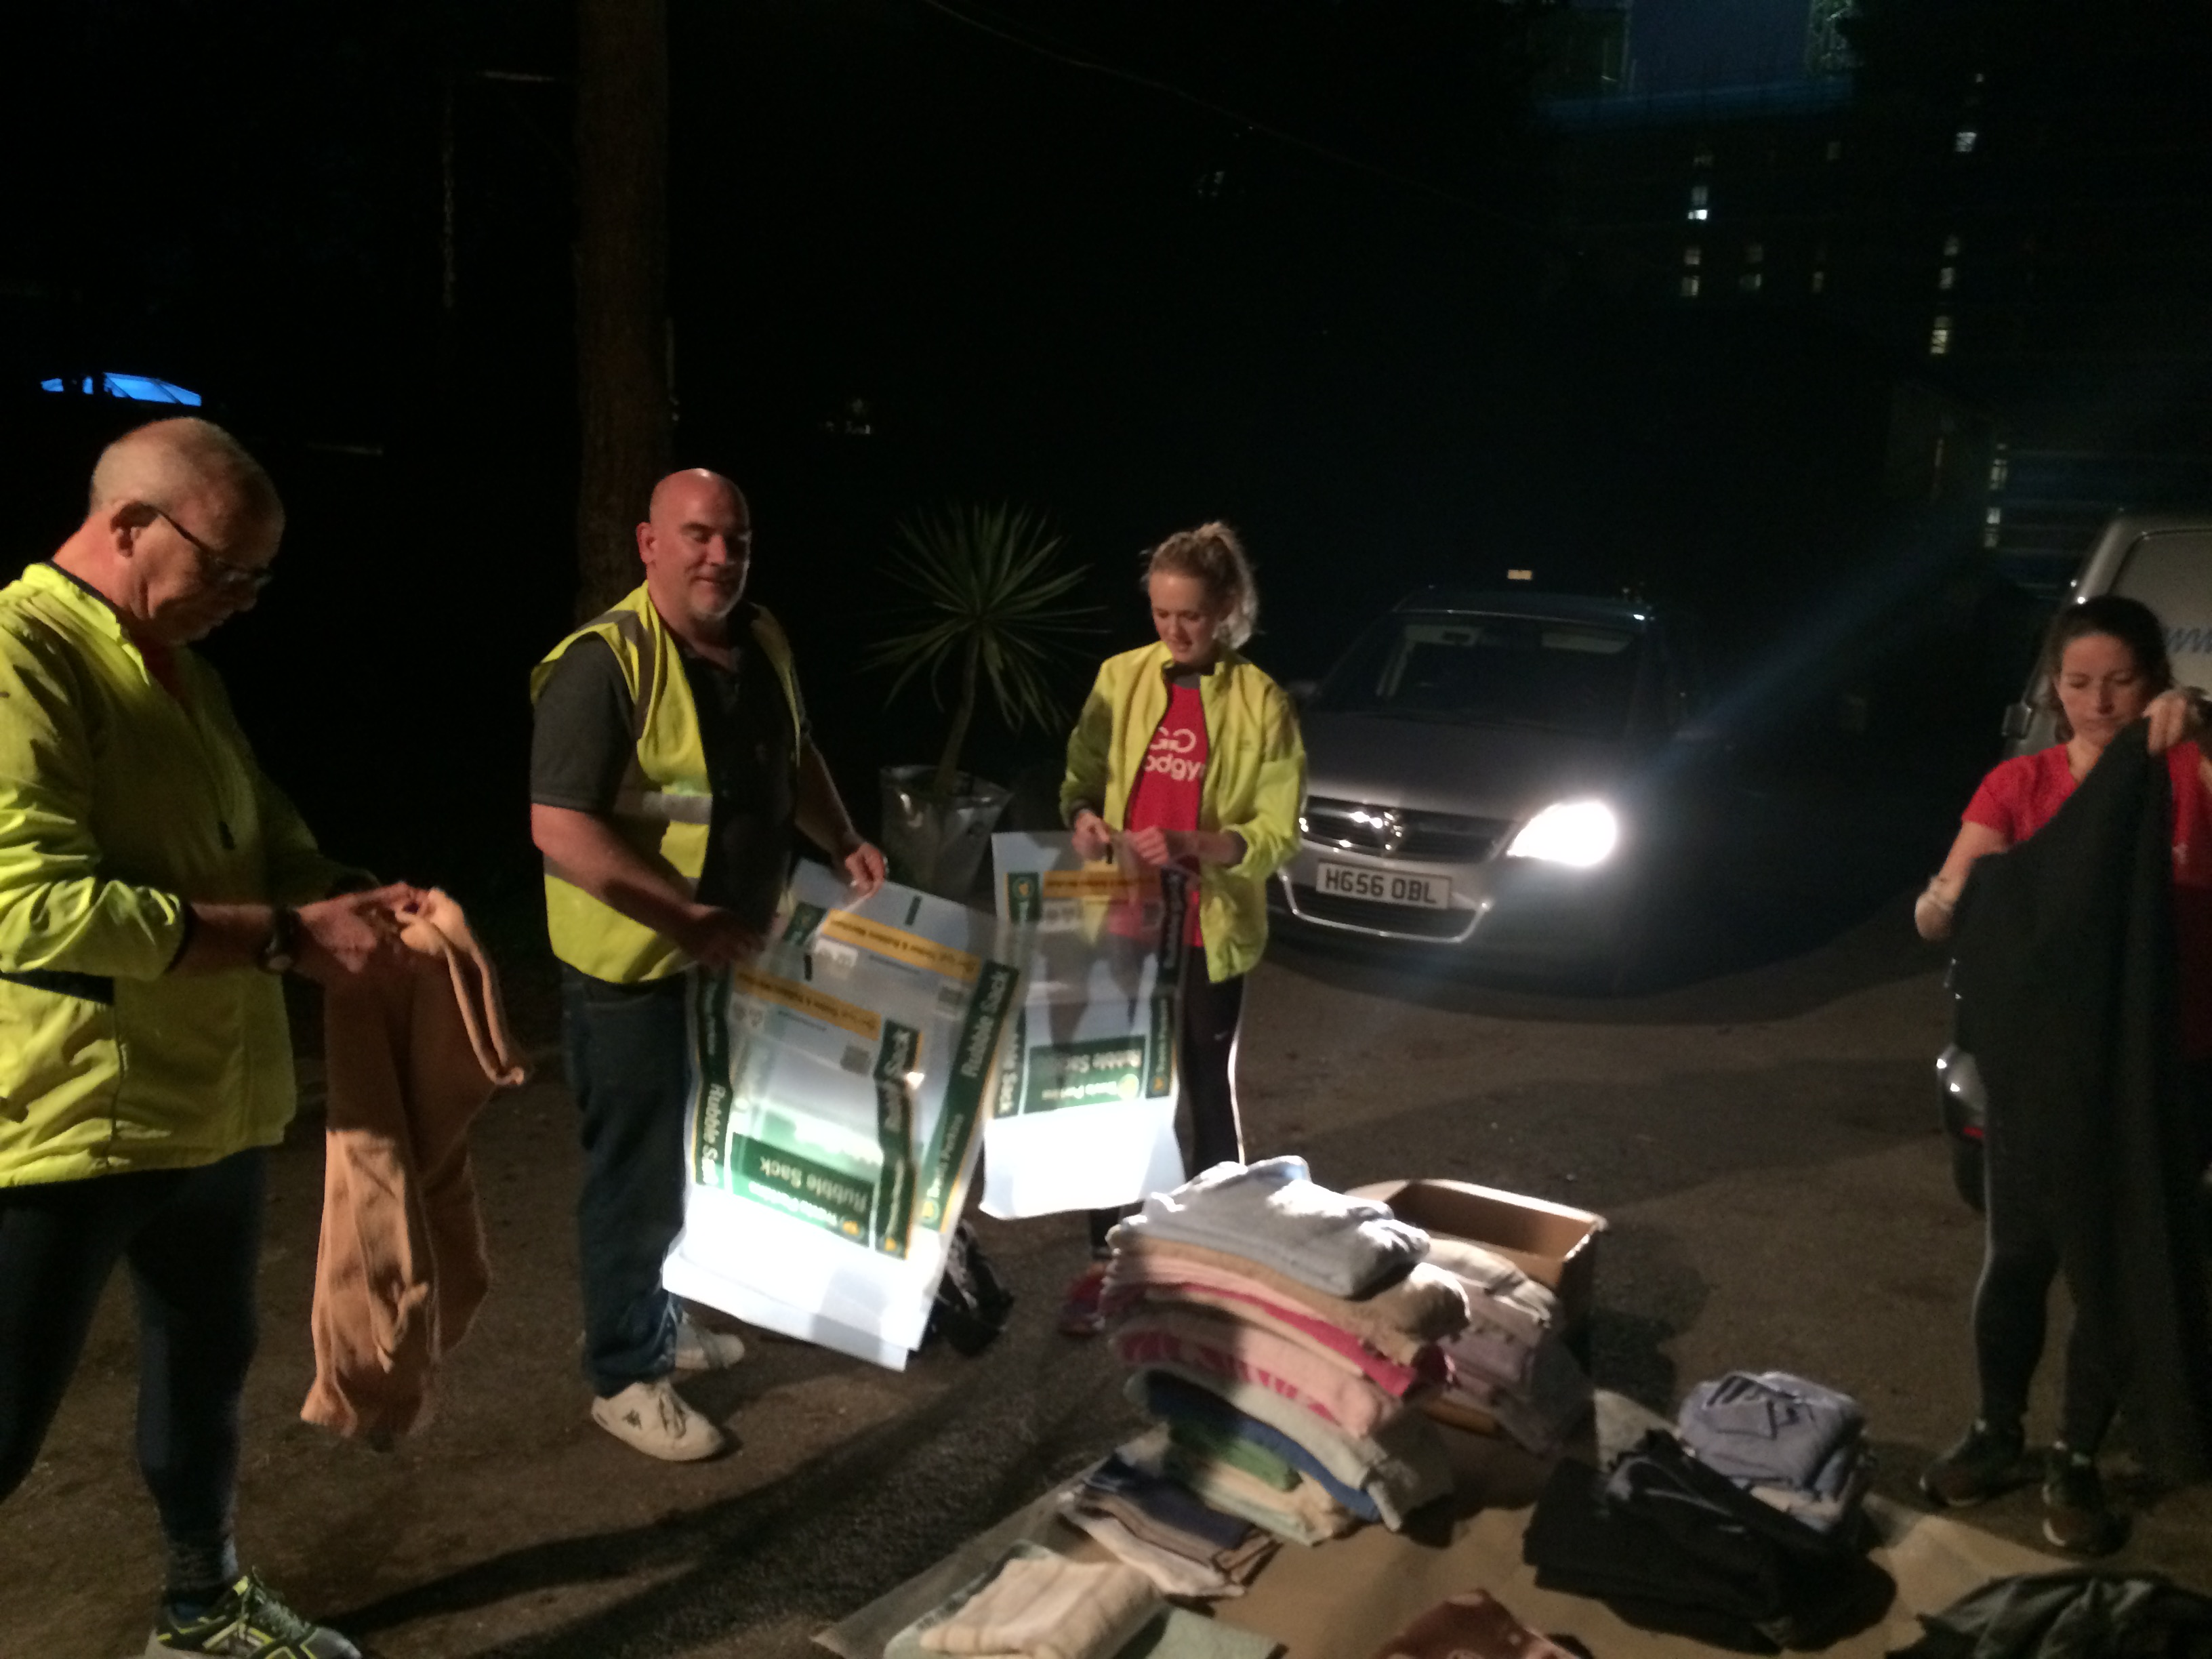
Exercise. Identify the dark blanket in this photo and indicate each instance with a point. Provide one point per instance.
(1670, 1545)
(2069, 1615)
(2068, 998)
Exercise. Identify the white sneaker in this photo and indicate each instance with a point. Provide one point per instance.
(698, 1349)
(652, 1417)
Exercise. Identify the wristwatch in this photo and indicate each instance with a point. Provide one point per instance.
(279, 950)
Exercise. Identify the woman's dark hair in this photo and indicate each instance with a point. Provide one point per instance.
(2130, 622)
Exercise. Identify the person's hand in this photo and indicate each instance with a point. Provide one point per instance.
(1093, 840)
(2174, 717)
(1932, 910)
(864, 868)
(715, 939)
(356, 935)
(1156, 849)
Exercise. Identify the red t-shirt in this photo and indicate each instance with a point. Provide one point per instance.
(2023, 794)
(1166, 793)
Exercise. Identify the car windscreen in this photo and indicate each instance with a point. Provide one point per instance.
(1529, 672)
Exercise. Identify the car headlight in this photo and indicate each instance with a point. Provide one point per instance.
(1581, 832)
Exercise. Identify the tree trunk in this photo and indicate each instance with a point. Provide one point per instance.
(622, 282)
(947, 782)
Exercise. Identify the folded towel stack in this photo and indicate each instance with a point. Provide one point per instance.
(1158, 1526)
(1797, 1445)
(1510, 1370)
(1285, 1332)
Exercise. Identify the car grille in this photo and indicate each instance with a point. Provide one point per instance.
(1399, 920)
(1399, 832)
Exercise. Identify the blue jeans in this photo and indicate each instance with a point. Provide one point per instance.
(625, 1047)
(192, 1238)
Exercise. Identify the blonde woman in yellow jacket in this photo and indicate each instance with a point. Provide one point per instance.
(1187, 756)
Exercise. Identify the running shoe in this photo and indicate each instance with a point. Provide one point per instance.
(249, 1622)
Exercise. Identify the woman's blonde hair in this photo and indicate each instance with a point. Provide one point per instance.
(1213, 554)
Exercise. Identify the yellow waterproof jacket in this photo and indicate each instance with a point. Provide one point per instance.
(118, 805)
(1255, 783)
(665, 807)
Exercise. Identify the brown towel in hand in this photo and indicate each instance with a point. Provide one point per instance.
(1470, 1627)
(402, 1268)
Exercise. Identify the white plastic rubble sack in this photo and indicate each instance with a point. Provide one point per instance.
(1087, 1099)
(839, 1085)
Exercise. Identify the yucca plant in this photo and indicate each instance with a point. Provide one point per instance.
(986, 603)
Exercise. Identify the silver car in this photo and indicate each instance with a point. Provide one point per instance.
(1486, 774)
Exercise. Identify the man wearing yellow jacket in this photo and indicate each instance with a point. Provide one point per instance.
(146, 869)
(669, 763)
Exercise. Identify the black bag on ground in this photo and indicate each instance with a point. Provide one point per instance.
(1672, 1545)
(2069, 1615)
(973, 1302)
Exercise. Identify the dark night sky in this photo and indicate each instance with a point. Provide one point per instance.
(1127, 308)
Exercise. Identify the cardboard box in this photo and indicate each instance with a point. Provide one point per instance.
(1555, 1244)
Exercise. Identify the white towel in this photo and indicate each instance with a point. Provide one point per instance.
(1050, 1608)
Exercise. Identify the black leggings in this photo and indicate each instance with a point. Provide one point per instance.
(2011, 1308)
(192, 1238)
(1213, 1012)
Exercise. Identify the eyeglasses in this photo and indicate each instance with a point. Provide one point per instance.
(227, 573)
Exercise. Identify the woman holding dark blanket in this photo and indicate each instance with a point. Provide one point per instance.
(2107, 668)
(1186, 757)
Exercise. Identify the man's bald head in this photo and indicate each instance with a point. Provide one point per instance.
(697, 544)
(691, 490)
(186, 464)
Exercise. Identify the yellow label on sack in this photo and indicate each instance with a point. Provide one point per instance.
(1098, 881)
(900, 945)
(806, 999)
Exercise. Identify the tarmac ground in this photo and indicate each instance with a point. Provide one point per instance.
(1762, 1141)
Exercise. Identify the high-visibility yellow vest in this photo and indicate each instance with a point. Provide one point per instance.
(666, 804)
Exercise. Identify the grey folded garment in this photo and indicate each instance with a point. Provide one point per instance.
(1539, 1414)
(1770, 1429)
(1838, 1496)
(1485, 1352)
(1498, 1292)
(1271, 1213)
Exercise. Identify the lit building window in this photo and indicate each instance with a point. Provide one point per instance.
(1951, 247)
(1754, 253)
(1993, 527)
(1700, 201)
(1939, 337)
(1689, 285)
(1947, 277)
(1704, 157)
(1820, 281)
(1751, 282)
(1692, 254)
(1963, 141)
(2000, 469)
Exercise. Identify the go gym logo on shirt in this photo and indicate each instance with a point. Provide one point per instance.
(1171, 755)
